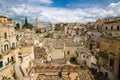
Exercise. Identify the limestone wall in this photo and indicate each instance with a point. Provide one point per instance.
(8, 71)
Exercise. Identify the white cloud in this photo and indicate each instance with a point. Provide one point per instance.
(60, 15)
(114, 9)
(43, 1)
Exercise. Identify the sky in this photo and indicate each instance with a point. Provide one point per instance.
(60, 11)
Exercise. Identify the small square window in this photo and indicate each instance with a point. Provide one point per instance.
(5, 35)
(84, 56)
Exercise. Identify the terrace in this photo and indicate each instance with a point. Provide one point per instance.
(59, 72)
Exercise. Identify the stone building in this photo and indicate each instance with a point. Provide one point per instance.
(98, 24)
(4, 19)
(58, 50)
(25, 57)
(112, 28)
(86, 57)
(8, 46)
(7, 40)
(109, 57)
(38, 24)
(13, 58)
(40, 54)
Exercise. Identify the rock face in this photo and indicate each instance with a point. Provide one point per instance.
(109, 57)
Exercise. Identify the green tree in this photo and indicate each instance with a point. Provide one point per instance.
(27, 25)
(26, 21)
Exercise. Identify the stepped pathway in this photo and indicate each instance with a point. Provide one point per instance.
(18, 71)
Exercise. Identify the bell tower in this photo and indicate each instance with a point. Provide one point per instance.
(36, 22)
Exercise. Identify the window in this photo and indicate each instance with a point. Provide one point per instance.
(98, 44)
(77, 53)
(4, 20)
(5, 47)
(13, 45)
(118, 28)
(106, 28)
(1, 64)
(84, 56)
(106, 74)
(12, 58)
(68, 52)
(112, 61)
(8, 59)
(111, 27)
(97, 26)
(5, 35)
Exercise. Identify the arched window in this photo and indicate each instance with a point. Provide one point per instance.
(5, 35)
(118, 28)
(5, 47)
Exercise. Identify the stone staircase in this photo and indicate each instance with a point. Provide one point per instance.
(18, 71)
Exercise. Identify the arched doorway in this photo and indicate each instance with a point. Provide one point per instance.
(118, 27)
(1, 64)
(106, 74)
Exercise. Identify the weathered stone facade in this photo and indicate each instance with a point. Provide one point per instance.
(8, 46)
(109, 57)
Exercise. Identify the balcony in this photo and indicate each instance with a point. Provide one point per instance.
(108, 68)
